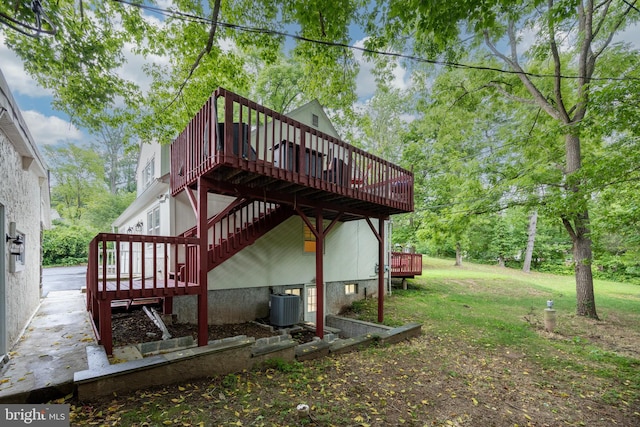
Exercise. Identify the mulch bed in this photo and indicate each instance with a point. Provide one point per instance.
(134, 327)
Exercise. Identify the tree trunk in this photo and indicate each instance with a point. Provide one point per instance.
(458, 255)
(582, 257)
(533, 226)
(501, 261)
(580, 231)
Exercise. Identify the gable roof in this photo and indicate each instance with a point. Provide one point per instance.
(305, 114)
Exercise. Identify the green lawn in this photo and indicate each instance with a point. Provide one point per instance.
(484, 359)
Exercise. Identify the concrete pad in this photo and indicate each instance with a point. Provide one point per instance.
(126, 353)
(41, 365)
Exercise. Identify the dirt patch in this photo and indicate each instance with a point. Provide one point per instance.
(134, 327)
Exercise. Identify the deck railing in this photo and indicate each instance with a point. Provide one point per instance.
(127, 266)
(132, 266)
(233, 131)
(405, 264)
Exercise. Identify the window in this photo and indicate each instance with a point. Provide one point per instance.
(351, 289)
(293, 291)
(311, 299)
(314, 120)
(148, 173)
(153, 221)
(309, 239)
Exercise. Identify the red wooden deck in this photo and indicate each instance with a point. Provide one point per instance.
(242, 147)
(406, 265)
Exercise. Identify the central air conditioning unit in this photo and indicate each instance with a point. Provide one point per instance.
(285, 310)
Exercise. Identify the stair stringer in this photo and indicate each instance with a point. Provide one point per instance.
(247, 233)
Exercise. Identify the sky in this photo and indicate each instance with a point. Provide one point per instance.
(49, 126)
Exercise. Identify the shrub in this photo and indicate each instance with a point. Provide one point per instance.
(66, 244)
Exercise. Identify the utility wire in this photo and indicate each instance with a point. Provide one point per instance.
(28, 29)
(631, 5)
(204, 20)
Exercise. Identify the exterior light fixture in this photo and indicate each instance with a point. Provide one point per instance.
(139, 226)
(17, 244)
(130, 230)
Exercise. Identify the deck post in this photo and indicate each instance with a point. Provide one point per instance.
(319, 274)
(106, 335)
(379, 233)
(202, 264)
(381, 270)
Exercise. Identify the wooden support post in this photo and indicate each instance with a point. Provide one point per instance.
(167, 305)
(202, 264)
(106, 335)
(381, 259)
(320, 233)
(380, 236)
(319, 274)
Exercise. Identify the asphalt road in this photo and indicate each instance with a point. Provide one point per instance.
(63, 279)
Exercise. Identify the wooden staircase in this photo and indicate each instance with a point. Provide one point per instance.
(239, 225)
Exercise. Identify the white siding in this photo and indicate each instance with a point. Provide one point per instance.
(351, 252)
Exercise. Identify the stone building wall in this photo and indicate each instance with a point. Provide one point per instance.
(24, 205)
(20, 194)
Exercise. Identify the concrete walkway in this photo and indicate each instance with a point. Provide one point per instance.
(41, 365)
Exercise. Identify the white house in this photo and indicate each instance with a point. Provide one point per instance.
(24, 213)
(280, 262)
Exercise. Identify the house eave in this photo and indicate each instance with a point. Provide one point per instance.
(158, 187)
(13, 125)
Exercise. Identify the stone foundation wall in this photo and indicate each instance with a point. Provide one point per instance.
(228, 306)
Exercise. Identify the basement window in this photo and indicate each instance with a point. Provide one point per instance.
(293, 291)
(351, 289)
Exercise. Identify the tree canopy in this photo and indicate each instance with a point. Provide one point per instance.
(518, 107)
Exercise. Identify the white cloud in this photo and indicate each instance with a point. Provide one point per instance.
(50, 129)
(17, 78)
(366, 82)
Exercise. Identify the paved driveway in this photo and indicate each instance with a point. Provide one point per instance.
(63, 279)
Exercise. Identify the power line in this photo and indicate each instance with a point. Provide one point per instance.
(631, 6)
(196, 18)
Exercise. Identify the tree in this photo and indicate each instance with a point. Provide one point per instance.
(531, 238)
(113, 136)
(383, 120)
(564, 92)
(190, 50)
(278, 86)
(78, 174)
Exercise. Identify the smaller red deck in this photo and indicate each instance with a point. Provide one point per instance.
(406, 265)
(139, 288)
(131, 267)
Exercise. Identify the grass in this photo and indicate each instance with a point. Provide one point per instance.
(484, 359)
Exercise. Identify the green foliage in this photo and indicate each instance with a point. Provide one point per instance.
(78, 174)
(281, 365)
(104, 208)
(230, 381)
(81, 63)
(66, 244)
